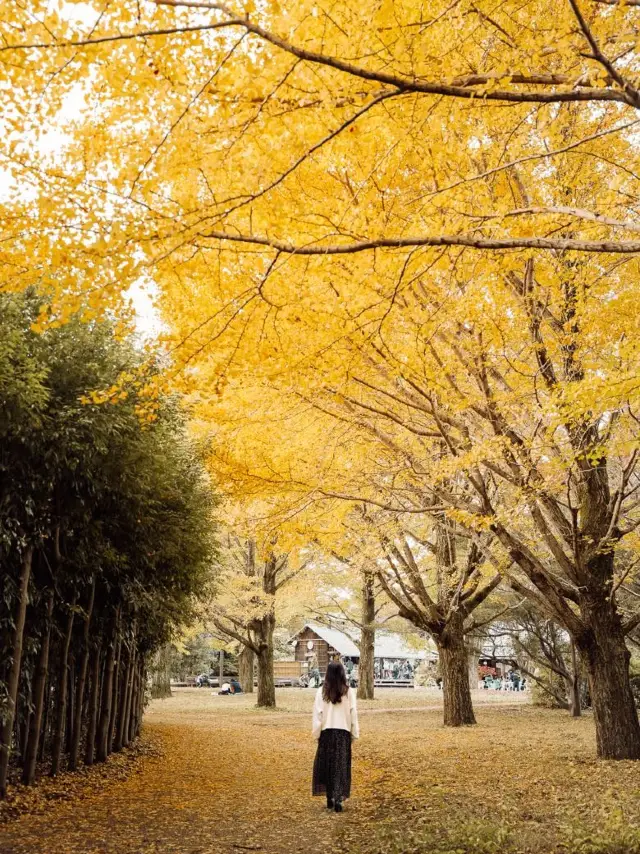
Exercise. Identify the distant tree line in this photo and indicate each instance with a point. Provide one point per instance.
(105, 537)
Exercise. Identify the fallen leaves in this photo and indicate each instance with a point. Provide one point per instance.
(86, 782)
(232, 778)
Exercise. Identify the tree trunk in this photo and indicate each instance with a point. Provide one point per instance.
(133, 707)
(107, 698)
(90, 744)
(14, 673)
(573, 692)
(454, 666)
(124, 698)
(141, 697)
(81, 682)
(266, 682)
(474, 651)
(127, 711)
(161, 673)
(366, 677)
(46, 713)
(71, 698)
(138, 693)
(606, 658)
(246, 661)
(61, 694)
(116, 696)
(39, 683)
(22, 726)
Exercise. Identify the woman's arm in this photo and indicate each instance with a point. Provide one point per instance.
(316, 724)
(355, 726)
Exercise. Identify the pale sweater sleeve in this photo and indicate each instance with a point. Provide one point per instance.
(355, 726)
(316, 725)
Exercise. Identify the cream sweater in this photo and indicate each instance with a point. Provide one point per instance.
(342, 715)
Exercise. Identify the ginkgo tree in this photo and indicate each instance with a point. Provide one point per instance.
(409, 236)
(436, 579)
(249, 586)
(513, 413)
(160, 138)
(349, 593)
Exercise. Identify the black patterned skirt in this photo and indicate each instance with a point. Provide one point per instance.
(332, 766)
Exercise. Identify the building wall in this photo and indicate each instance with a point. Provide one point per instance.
(320, 647)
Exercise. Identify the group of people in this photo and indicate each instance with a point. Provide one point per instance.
(230, 687)
(513, 681)
(393, 669)
(314, 677)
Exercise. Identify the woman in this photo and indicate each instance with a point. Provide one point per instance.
(335, 725)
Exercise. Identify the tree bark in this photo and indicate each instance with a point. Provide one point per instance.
(246, 661)
(160, 673)
(264, 628)
(107, 697)
(366, 680)
(14, 672)
(81, 683)
(116, 695)
(71, 698)
(92, 726)
(573, 686)
(61, 694)
(131, 729)
(124, 698)
(142, 696)
(127, 711)
(454, 666)
(21, 733)
(606, 658)
(39, 683)
(136, 711)
(46, 713)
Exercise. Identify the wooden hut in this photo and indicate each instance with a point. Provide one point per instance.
(394, 659)
(323, 644)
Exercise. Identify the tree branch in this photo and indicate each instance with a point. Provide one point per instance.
(410, 84)
(624, 247)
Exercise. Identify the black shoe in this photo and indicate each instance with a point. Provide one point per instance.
(338, 806)
(329, 803)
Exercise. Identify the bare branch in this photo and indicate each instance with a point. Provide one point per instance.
(624, 247)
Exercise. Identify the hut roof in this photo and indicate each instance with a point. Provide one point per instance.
(338, 640)
(387, 644)
(393, 645)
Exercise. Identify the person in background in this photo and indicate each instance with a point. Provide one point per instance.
(334, 726)
(314, 670)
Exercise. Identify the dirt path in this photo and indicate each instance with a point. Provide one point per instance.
(210, 792)
(232, 779)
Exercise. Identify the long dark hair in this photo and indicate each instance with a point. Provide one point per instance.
(335, 683)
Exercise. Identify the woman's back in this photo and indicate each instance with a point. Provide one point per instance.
(340, 715)
(334, 725)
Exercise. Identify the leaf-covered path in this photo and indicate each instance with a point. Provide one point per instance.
(232, 779)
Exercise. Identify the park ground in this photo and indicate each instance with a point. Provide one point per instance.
(229, 778)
